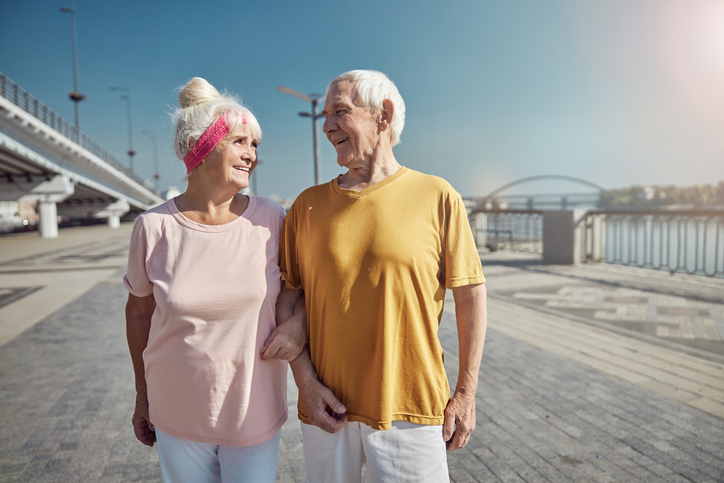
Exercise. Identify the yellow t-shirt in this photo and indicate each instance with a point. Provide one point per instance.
(374, 266)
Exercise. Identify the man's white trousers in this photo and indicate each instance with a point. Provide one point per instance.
(407, 452)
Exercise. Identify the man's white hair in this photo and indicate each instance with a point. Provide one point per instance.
(373, 88)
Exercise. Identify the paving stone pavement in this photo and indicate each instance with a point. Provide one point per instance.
(66, 398)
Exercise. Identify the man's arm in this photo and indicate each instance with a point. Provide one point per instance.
(323, 409)
(138, 325)
(471, 315)
(290, 336)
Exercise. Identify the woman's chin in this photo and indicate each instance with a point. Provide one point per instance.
(240, 181)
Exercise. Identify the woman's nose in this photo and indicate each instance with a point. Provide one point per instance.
(249, 153)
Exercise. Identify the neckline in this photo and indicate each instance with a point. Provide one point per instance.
(369, 190)
(183, 220)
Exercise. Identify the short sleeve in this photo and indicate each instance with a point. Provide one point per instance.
(136, 279)
(280, 221)
(288, 259)
(461, 258)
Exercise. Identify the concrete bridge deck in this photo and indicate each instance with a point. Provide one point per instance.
(592, 373)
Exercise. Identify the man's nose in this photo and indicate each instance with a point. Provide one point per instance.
(329, 125)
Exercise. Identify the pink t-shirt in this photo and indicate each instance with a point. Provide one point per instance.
(215, 288)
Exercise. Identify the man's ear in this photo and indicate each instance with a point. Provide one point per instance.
(387, 114)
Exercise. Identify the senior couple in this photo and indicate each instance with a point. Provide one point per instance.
(349, 288)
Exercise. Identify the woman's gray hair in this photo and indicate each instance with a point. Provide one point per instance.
(201, 105)
(373, 88)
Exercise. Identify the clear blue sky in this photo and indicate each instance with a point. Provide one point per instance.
(617, 92)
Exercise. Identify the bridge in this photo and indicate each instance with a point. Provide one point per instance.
(46, 160)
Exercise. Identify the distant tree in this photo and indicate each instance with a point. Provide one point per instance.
(640, 197)
(671, 194)
(698, 194)
(719, 200)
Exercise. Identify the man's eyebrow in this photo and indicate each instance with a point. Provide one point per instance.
(335, 106)
(326, 111)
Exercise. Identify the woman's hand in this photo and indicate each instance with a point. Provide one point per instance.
(142, 426)
(290, 336)
(285, 342)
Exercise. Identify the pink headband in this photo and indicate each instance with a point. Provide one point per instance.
(208, 141)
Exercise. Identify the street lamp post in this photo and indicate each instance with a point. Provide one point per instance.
(313, 99)
(152, 136)
(254, 185)
(127, 98)
(75, 96)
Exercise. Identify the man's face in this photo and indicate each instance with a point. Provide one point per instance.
(351, 128)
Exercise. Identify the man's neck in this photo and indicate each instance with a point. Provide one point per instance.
(361, 177)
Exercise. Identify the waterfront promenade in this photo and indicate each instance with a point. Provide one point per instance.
(590, 373)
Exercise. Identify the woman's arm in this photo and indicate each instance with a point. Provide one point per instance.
(290, 337)
(138, 324)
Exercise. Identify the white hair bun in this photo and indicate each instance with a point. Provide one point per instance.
(197, 91)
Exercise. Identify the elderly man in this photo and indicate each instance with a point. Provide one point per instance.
(374, 251)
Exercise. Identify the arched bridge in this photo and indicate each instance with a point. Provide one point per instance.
(494, 199)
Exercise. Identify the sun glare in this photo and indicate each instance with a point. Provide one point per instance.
(693, 50)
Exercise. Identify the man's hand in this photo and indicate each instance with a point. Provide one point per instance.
(459, 421)
(323, 409)
(142, 427)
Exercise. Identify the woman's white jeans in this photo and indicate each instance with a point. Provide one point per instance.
(184, 461)
(407, 452)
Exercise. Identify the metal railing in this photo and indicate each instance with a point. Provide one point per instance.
(9, 225)
(676, 241)
(517, 230)
(23, 99)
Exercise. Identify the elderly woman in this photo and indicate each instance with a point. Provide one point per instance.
(203, 278)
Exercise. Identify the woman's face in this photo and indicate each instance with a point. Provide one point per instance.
(233, 159)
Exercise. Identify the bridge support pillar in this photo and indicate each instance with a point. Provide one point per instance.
(47, 194)
(114, 212)
(564, 237)
(114, 221)
(48, 221)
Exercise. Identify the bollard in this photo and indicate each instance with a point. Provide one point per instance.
(564, 237)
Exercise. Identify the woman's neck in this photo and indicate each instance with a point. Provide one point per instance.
(209, 206)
